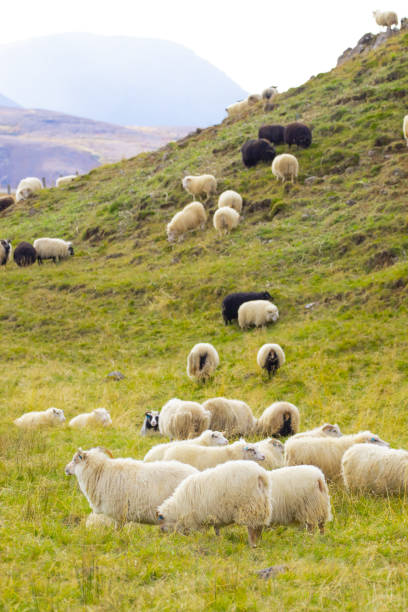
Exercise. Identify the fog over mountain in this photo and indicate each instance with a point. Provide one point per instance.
(4, 101)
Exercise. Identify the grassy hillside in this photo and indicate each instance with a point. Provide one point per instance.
(130, 301)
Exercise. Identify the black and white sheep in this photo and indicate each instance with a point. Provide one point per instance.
(5, 251)
(298, 134)
(24, 254)
(150, 423)
(269, 92)
(279, 419)
(274, 133)
(256, 150)
(52, 248)
(202, 361)
(233, 301)
(270, 357)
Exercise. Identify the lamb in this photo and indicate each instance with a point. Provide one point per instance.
(234, 417)
(279, 419)
(52, 417)
(24, 254)
(298, 134)
(233, 301)
(232, 199)
(236, 492)
(274, 133)
(193, 216)
(64, 180)
(125, 489)
(6, 202)
(98, 417)
(270, 357)
(204, 183)
(375, 469)
(207, 438)
(269, 92)
(405, 128)
(256, 150)
(325, 452)
(202, 361)
(258, 313)
(273, 450)
(324, 430)
(52, 248)
(203, 457)
(300, 495)
(5, 251)
(285, 166)
(386, 18)
(27, 187)
(150, 423)
(181, 420)
(225, 219)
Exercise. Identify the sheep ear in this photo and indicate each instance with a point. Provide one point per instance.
(106, 451)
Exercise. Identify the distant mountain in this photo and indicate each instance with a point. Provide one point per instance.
(123, 80)
(7, 102)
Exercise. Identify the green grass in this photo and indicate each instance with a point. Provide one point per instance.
(130, 301)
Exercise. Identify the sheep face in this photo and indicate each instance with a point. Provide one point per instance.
(103, 416)
(152, 420)
(272, 314)
(251, 453)
(77, 459)
(331, 430)
(218, 439)
(57, 414)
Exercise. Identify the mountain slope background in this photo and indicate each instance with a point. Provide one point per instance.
(132, 302)
(4, 101)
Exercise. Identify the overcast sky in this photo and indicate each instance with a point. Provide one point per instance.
(256, 42)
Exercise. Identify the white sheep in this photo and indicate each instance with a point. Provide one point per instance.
(236, 492)
(181, 419)
(207, 438)
(232, 199)
(5, 251)
(202, 184)
(237, 108)
(258, 313)
(324, 430)
(285, 166)
(202, 361)
(385, 18)
(300, 495)
(269, 92)
(375, 469)
(325, 452)
(203, 457)
(193, 216)
(254, 98)
(270, 357)
(64, 180)
(27, 187)
(273, 450)
(99, 417)
(234, 417)
(52, 248)
(45, 418)
(405, 128)
(225, 219)
(279, 419)
(125, 489)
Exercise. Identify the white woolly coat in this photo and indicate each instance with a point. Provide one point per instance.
(265, 351)
(203, 457)
(99, 417)
(258, 313)
(375, 469)
(181, 419)
(324, 430)
(273, 450)
(52, 248)
(285, 166)
(63, 180)
(386, 18)
(207, 438)
(234, 417)
(273, 418)
(202, 361)
(237, 107)
(230, 198)
(193, 216)
(225, 219)
(28, 186)
(202, 184)
(46, 418)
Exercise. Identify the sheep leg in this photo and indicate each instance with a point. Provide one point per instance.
(321, 527)
(216, 530)
(254, 533)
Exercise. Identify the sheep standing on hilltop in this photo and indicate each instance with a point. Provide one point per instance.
(202, 361)
(256, 150)
(99, 417)
(5, 251)
(279, 419)
(64, 180)
(231, 303)
(207, 438)
(257, 313)
(270, 357)
(285, 166)
(230, 198)
(375, 469)
(52, 248)
(234, 417)
(204, 183)
(46, 418)
(27, 187)
(269, 92)
(193, 216)
(225, 219)
(181, 419)
(386, 18)
(24, 254)
(405, 128)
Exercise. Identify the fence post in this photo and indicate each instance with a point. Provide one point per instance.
(44, 182)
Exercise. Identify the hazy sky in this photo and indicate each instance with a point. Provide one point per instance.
(256, 42)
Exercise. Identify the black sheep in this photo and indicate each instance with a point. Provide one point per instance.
(25, 254)
(298, 134)
(254, 151)
(273, 133)
(233, 301)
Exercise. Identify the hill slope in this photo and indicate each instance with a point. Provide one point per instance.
(130, 301)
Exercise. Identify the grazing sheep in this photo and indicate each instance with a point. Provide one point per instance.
(230, 198)
(234, 417)
(52, 248)
(274, 133)
(193, 216)
(203, 457)
(99, 417)
(405, 128)
(5, 251)
(270, 357)
(202, 361)
(256, 150)
(386, 18)
(125, 489)
(233, 301)
(279, 419)
(150, 423)
(207, 438)
(269, 92)
(285, 166)
(204, 183)
(46, 418)
(236, 492)
(325, 452)
(258, 313)
(375, 469)
(237, 108)
(298, 134)
(225, 219)
(181, 420)
(24, 254)
(64, 180)
(6, 202)
(300, 495)
(324, 430)
(273, 450)
(27, 187)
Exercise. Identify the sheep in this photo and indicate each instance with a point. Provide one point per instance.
(256, 150)
(225, 219)
(181, 420)
(269, 92)
(234, 417)
(386, 18)
(279, 419)
(285, 166)
(46, 418)
(5, 251)
(203, 457)
(98, 417)
(273, 450)
(298, 134)
(204, 183)
(254, 99)
(52, 248)
(270, 357)
(324, 430)
(236, 492)
(207, 438)
(273, 133)
(258, 313)
(300, 495)
(64, 180)
(233, 301)
(192, 216)
(202, 361)
(125, 489)
(325, 452)
(232, 199)
(27, 187)
(405, 128)
(375, 469)
(6, 202)
(24, 254)
(150, 423)
(237, 108)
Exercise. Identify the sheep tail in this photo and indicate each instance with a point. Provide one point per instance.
(203, 359)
